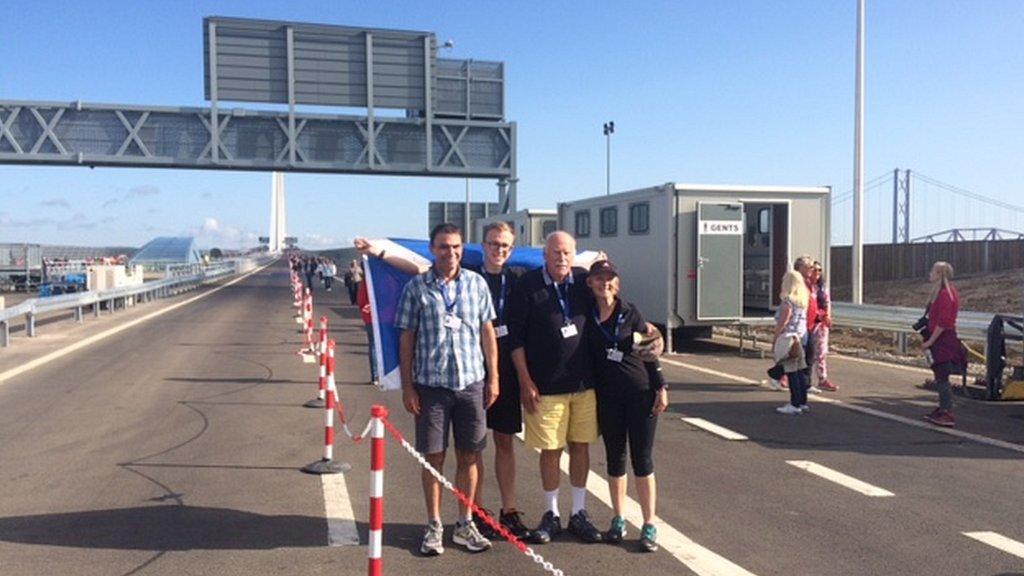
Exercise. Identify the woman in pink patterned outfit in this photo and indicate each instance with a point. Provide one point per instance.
(821, 329)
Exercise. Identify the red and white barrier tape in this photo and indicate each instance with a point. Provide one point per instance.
(495, 525)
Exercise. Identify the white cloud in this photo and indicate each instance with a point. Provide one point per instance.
(211, 233)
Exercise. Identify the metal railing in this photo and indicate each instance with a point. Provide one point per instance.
(969, 325)
(78, 302)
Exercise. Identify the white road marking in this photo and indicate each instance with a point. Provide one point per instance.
(107, 333)
(697, 558)
(709, 371)
(341, 519)
(977, 438)
(998, 541)
(840, 478)
(715, 429)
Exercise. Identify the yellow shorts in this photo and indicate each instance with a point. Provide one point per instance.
(562, 418)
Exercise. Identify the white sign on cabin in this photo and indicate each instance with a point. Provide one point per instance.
(728, 227)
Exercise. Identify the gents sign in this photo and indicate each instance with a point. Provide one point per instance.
(727, 227)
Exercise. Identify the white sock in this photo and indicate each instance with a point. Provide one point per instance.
(579, 499)
(552, 500)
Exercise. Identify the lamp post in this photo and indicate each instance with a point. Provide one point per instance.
(609, 129)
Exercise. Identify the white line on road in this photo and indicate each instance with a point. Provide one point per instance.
(715, 429)
(107, 333)
(998, 541)
(840, 478)
(341, 519)
(696, 557)
(710, 372)
(869, 411)
(702, 561)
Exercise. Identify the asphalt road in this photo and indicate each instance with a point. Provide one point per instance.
(173, 447)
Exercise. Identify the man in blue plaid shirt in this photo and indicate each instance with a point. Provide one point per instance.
(445, 317)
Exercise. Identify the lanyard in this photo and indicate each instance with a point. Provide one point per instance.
(501, 296)
(563, 302)
(449, 305)
(611, 337)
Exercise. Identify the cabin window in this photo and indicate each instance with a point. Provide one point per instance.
(547, 227)
(582, 223)
(763, 220)
(610, 221)
(639, 218)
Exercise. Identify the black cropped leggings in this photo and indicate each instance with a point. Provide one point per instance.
(627, 418)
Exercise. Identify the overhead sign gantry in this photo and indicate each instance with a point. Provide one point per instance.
(452, 121)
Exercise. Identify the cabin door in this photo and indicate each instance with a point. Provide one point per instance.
(719, 261)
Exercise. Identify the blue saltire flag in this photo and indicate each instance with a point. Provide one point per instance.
(385, 283)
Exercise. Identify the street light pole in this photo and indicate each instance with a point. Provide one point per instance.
(609, 129)
(858, 167)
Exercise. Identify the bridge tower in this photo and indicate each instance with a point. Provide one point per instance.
(277, 213)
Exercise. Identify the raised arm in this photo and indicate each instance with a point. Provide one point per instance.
(366, 248)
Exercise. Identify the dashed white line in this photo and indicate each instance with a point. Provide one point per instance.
(714, 428)
(840, 478)
(869, 411)
(999, 542)
(709, 371)
(341, 519)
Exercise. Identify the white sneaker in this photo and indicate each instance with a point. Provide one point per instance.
(804, 408)
(789, 409)
(467, 535)
(774, 384)
(814, 390)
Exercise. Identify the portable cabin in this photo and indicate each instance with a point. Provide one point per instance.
(530, 225)
(693, 256)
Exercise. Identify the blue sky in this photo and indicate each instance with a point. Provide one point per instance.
(705, 91)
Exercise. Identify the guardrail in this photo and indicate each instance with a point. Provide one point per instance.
(969, 325)
(78, 302)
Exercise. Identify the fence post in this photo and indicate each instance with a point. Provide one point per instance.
(327, 464)
(377, 415)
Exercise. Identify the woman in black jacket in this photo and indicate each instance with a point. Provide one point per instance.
(631, 393)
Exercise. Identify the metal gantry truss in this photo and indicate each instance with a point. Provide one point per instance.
(76, 133)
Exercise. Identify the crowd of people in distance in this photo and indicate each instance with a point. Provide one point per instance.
(320, 267)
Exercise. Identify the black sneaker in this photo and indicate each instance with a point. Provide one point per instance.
(583, 528)
(512, 520)
(550, 526)
(484, 527)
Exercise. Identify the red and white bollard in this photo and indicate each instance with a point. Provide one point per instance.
(377, 415)
(318, 402)
(327, 465)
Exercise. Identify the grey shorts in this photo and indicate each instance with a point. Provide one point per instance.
(461, 410)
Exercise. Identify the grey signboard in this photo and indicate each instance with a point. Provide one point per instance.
(252, 60)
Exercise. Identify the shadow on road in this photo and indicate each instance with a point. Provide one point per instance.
(166, 527)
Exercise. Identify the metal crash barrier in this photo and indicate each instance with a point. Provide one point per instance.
(110, 299)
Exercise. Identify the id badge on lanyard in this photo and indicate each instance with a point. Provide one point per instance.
(500, 329)
(568, 329)
(612, 353)
(451, 319)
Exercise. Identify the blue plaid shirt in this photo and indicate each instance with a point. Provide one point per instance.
(446, 357)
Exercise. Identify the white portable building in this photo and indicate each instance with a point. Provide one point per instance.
(694, 256)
